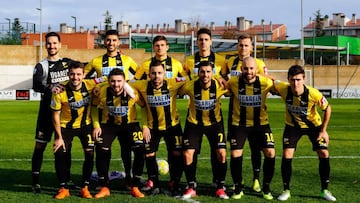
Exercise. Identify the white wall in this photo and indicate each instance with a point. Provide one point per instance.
(16, 77)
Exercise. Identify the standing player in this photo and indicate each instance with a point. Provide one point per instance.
(302, 118)
(102, 65)
(47, 75)
(233, 69)
(161, 119)
(204, 117)
(116, 117)
(173, 67)
(191, 67)
(249, 119)
(71, 117)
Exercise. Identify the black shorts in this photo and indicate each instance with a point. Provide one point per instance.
(129, 135)
(292, 135)
(193, 136)
(84, 134)
(259, 137)
(173, 137)
(44, 124)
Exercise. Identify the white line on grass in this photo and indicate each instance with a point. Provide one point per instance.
(201, 158)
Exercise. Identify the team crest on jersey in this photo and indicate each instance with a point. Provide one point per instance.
(52, 103)
(65, 64)
(99, 80)
(180, 79)
(323, 101)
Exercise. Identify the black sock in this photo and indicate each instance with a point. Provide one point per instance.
(152, 170)
(36, 163)
(286, 170)
(88, 166)
(268, 170)
(221, 173)
(324, 171)
(138, 166)
(102, 166)
(256, 163)
(176, 168)
(236, 171)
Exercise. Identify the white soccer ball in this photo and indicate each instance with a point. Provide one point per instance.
(163, 166)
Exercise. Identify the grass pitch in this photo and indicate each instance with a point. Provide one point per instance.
(18, 119)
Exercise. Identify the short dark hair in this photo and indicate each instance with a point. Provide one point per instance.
(52, 34)
(156, 63)
(295, 70)
(76, 64)
(206, 63)
(111, 32)
(245, 36)
(204, 30)
(116, 71)
(159, 38)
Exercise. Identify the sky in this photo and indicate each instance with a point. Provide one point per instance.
(90, 13)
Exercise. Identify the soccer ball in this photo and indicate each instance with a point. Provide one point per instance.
(163, 166)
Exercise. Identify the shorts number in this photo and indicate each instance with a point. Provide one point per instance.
(178, 140)
(138, 136)
(221, 137)
(90, 140)
(269, 137)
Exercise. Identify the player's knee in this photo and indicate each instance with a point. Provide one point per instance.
(151, 154)
(269, 152)
(323, 153)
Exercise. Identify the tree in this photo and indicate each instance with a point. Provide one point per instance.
(17, 29)
(319, 24)
(108, 20)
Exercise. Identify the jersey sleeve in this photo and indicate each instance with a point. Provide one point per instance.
(56, 102)
(38, 79)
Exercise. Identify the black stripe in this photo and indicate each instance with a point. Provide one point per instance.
(167, 112)
(109, 102)
(71, 98)
(241, 86)
(213, 97)
(197, 95)
(257, 91)
(150, 91)
(85, 94)
(124, 102)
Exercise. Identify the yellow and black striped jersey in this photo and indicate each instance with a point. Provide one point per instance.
(173, 68)
(233, 67)
(104, 64)
(247, 103)
(74, 105)
(191, 64)
(113, 109)
(161, 111)
(204, 104)
(301, 111)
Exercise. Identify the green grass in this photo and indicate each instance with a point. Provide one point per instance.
(18, 119)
